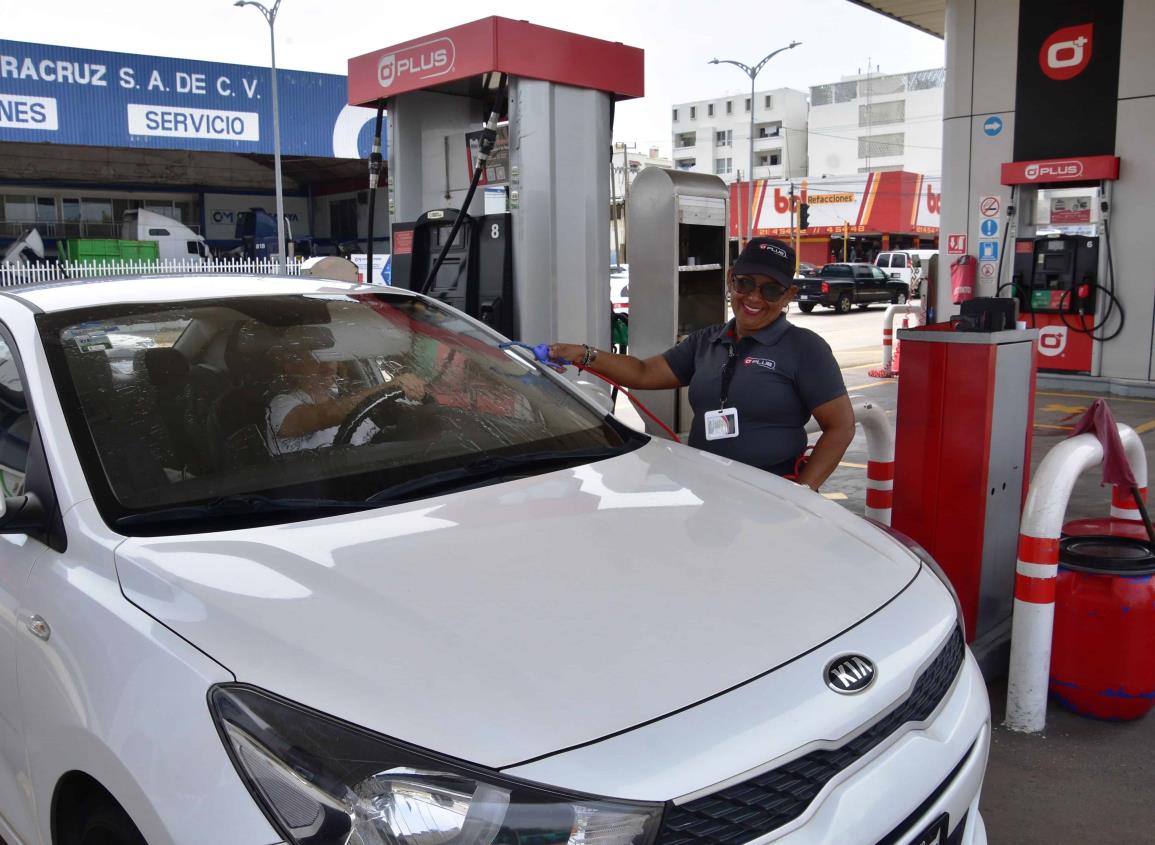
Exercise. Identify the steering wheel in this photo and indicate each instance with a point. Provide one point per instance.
(385, 410)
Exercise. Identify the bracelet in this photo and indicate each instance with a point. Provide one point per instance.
(590, 356)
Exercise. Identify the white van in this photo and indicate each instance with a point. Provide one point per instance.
(906, 265)
(176, 241)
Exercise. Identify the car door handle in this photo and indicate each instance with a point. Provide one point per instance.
(36, 625)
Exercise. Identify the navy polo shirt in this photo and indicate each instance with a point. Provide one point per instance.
(781, 373)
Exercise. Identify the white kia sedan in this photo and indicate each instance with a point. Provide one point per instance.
(305, 562)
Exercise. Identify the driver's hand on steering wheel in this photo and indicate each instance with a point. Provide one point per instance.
(411, 385)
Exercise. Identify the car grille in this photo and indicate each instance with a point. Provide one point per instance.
(753, 808)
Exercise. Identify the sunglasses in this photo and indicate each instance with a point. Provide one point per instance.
(770, 291)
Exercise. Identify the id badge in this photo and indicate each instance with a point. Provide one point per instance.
(721, 424)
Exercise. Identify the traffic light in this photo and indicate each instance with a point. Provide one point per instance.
(804, 215)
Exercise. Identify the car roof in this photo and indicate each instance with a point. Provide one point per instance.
(173, 287)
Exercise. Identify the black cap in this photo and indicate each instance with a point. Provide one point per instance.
(767, 257)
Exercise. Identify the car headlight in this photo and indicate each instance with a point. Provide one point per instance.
(324, 782)
(928, 561)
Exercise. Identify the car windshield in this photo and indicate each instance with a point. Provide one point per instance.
(262, 409)
(836, 270)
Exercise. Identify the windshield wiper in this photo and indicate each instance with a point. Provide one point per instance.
(489, 468)
(241, 506)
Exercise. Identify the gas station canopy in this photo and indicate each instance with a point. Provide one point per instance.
(927, 15)
(451, 61)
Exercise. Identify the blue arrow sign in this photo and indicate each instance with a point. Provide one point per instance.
(993, 126)
(989, 228)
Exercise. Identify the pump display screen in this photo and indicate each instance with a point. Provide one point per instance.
(1056, 263)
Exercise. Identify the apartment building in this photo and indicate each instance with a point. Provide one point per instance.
(712, 136)
(876, 122)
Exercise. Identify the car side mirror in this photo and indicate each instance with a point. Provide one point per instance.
(21, 514)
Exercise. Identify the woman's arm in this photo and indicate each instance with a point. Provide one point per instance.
(836, 419)
(651, 374)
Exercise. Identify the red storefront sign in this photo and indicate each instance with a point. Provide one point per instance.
(893, 202)
(1086, 169)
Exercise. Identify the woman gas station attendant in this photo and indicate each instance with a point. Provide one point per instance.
(754, 381)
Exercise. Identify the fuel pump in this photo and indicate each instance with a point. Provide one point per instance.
(1056, 274)
(520, 108)
(1061, 272)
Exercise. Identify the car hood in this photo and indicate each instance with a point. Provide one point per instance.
(511, 621)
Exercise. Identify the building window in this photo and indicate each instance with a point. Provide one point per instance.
(747, 104)
(686, 139)
(724, 138)
(770, 130)
(675, 115)
(769, 101)
(770, 159)
(686, 163)
(729, 107)
(710, 110)
(722, 166)
(693, 112)
(892, 111)
(877, 146)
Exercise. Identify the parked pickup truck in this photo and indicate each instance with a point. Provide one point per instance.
(839, 286)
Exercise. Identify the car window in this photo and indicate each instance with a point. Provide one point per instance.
(878, 274)
(335, 397)
(861, 273)
(836, 271)
(883, 260)
(15, 425)
(897, 260)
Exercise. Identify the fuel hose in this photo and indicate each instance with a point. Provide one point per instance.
(374, 178)
(484, 149)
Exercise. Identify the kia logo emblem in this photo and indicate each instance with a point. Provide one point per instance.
(417, 63)
(849, 674)
(1067, 52)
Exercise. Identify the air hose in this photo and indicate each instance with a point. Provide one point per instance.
(484, 149)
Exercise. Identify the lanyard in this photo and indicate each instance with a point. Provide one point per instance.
(727, 377)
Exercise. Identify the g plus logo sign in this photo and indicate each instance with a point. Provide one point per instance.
(1052, 341)
(1067, 52)
(933, 200)
(417, 63)
(1054, 170)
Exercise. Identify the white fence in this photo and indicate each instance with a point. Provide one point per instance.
(26, 274)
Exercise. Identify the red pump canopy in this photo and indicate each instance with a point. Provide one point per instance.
(518, 48)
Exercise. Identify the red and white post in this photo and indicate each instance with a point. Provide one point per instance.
(1038, 567)
(879, 456)
(888, 335)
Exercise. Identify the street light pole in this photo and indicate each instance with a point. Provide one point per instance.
(753, 72)
(271, 17)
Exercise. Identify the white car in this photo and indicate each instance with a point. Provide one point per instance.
(501, 617)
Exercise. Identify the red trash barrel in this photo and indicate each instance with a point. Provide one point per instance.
(1103, 646)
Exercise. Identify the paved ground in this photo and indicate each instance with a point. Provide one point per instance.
(1081, 781)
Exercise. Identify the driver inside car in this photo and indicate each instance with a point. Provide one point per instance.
(309, 412)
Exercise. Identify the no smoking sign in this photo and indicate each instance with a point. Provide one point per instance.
(987, 270)
(990, 206)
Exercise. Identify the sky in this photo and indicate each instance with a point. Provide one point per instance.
(679, 38)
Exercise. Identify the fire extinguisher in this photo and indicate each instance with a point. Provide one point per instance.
(962, 279)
